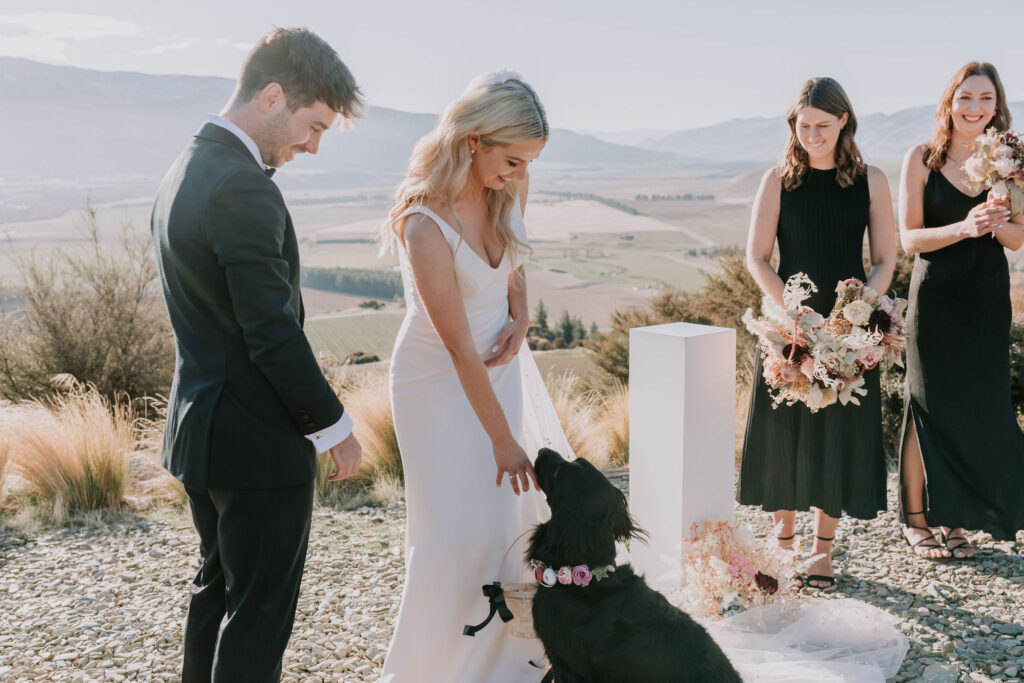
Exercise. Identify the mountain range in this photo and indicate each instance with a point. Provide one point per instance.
(65, 131)
(880, 137)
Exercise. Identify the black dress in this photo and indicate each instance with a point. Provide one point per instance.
(833, 459)
(958, 375)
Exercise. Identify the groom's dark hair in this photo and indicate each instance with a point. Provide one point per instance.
(307, 69)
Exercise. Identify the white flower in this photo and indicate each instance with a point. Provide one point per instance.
(857, 312)
(1003, 152)
(1005, 167)
(976, 168)
(549, 577)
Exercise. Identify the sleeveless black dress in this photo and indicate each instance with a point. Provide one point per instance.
(958, 375)
(833, 459)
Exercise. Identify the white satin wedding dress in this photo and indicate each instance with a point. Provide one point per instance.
(459, 524)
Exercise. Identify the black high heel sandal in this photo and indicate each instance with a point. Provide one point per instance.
(829, 581)
(934, 545)
(944, 539)
(786, 538)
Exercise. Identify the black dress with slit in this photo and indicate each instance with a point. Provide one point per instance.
(832, 459)
(958, 375)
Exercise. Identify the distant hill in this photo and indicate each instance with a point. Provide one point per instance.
(80, 125)
(880, 136)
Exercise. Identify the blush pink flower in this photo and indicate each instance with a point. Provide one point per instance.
(565, 576)
(581, 575)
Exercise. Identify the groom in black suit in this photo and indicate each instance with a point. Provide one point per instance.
(249, 408)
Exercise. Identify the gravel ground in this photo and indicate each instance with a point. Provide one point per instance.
(108, 602)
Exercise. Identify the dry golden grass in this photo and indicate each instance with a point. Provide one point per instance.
(72, 451)
(365, 396)
(5, 461)
(615, 425)
(579, 411)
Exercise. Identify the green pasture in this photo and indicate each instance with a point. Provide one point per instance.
(340, 335)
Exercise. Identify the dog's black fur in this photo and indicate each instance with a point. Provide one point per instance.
(617, 630)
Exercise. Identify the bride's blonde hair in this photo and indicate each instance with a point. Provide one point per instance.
(502, 110)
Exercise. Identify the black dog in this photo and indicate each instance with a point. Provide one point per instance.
(615, 628)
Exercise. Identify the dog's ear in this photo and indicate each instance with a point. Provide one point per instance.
(537, 548)
(622, 524)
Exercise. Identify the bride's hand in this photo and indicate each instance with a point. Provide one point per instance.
(511, 459)
(508, 344)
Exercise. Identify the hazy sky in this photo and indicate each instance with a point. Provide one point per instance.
(598, 65)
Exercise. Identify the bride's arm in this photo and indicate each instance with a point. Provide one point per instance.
(512, 337)
(433, 273)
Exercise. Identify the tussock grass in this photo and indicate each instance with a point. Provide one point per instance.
(615, 425)
(579, 411)
(72, 450)
(379, 480)
(5, 461)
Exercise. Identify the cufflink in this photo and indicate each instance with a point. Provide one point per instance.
(318, 436)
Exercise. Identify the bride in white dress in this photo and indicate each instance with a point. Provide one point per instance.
(457, 384)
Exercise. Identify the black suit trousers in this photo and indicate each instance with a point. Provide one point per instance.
(253, 545)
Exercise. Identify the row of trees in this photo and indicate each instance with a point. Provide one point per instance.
(689, 196)
(568, 332)
(379, 284)
(613, 203)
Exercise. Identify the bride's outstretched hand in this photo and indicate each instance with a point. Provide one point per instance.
(508, 344)
(511, 459)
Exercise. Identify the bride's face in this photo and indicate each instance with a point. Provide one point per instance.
(494, 167)
(818, 132)
(974, 106)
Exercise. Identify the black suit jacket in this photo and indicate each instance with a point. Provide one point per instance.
(247, 387)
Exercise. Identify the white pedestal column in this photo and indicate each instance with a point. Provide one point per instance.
(682, 412)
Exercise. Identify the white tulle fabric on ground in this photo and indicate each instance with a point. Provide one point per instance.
(809, 640)
(459, 525)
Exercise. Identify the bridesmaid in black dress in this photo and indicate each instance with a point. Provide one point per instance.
(963, 453)
(818, 203)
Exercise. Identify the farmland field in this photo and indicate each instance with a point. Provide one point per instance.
(340, 335)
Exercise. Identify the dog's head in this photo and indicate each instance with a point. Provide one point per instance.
(588, 514)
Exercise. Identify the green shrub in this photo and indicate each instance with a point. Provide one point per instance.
(726, 295)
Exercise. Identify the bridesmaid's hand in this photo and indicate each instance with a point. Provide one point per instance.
(508, 344)
(984, 218)
(511, 459)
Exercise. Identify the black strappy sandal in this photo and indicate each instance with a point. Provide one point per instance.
(786, 538)
(944, 539)
(935, 545)
(829, 581)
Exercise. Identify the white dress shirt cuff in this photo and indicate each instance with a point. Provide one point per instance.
(326, 439)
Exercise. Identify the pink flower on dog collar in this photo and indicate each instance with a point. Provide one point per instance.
(581, 575)
(565, 576)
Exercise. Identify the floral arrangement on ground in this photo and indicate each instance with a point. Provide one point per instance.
(726, 569)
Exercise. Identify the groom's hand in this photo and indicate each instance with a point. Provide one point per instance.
(346, 456)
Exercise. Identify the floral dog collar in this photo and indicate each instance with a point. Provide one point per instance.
(580, 575)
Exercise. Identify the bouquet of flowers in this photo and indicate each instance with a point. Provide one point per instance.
(998, 164)
(818, 361)
(727, 569)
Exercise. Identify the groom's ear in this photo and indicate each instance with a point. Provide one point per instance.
(271, 99)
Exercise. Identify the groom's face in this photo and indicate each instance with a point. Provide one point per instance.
(288, 133)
